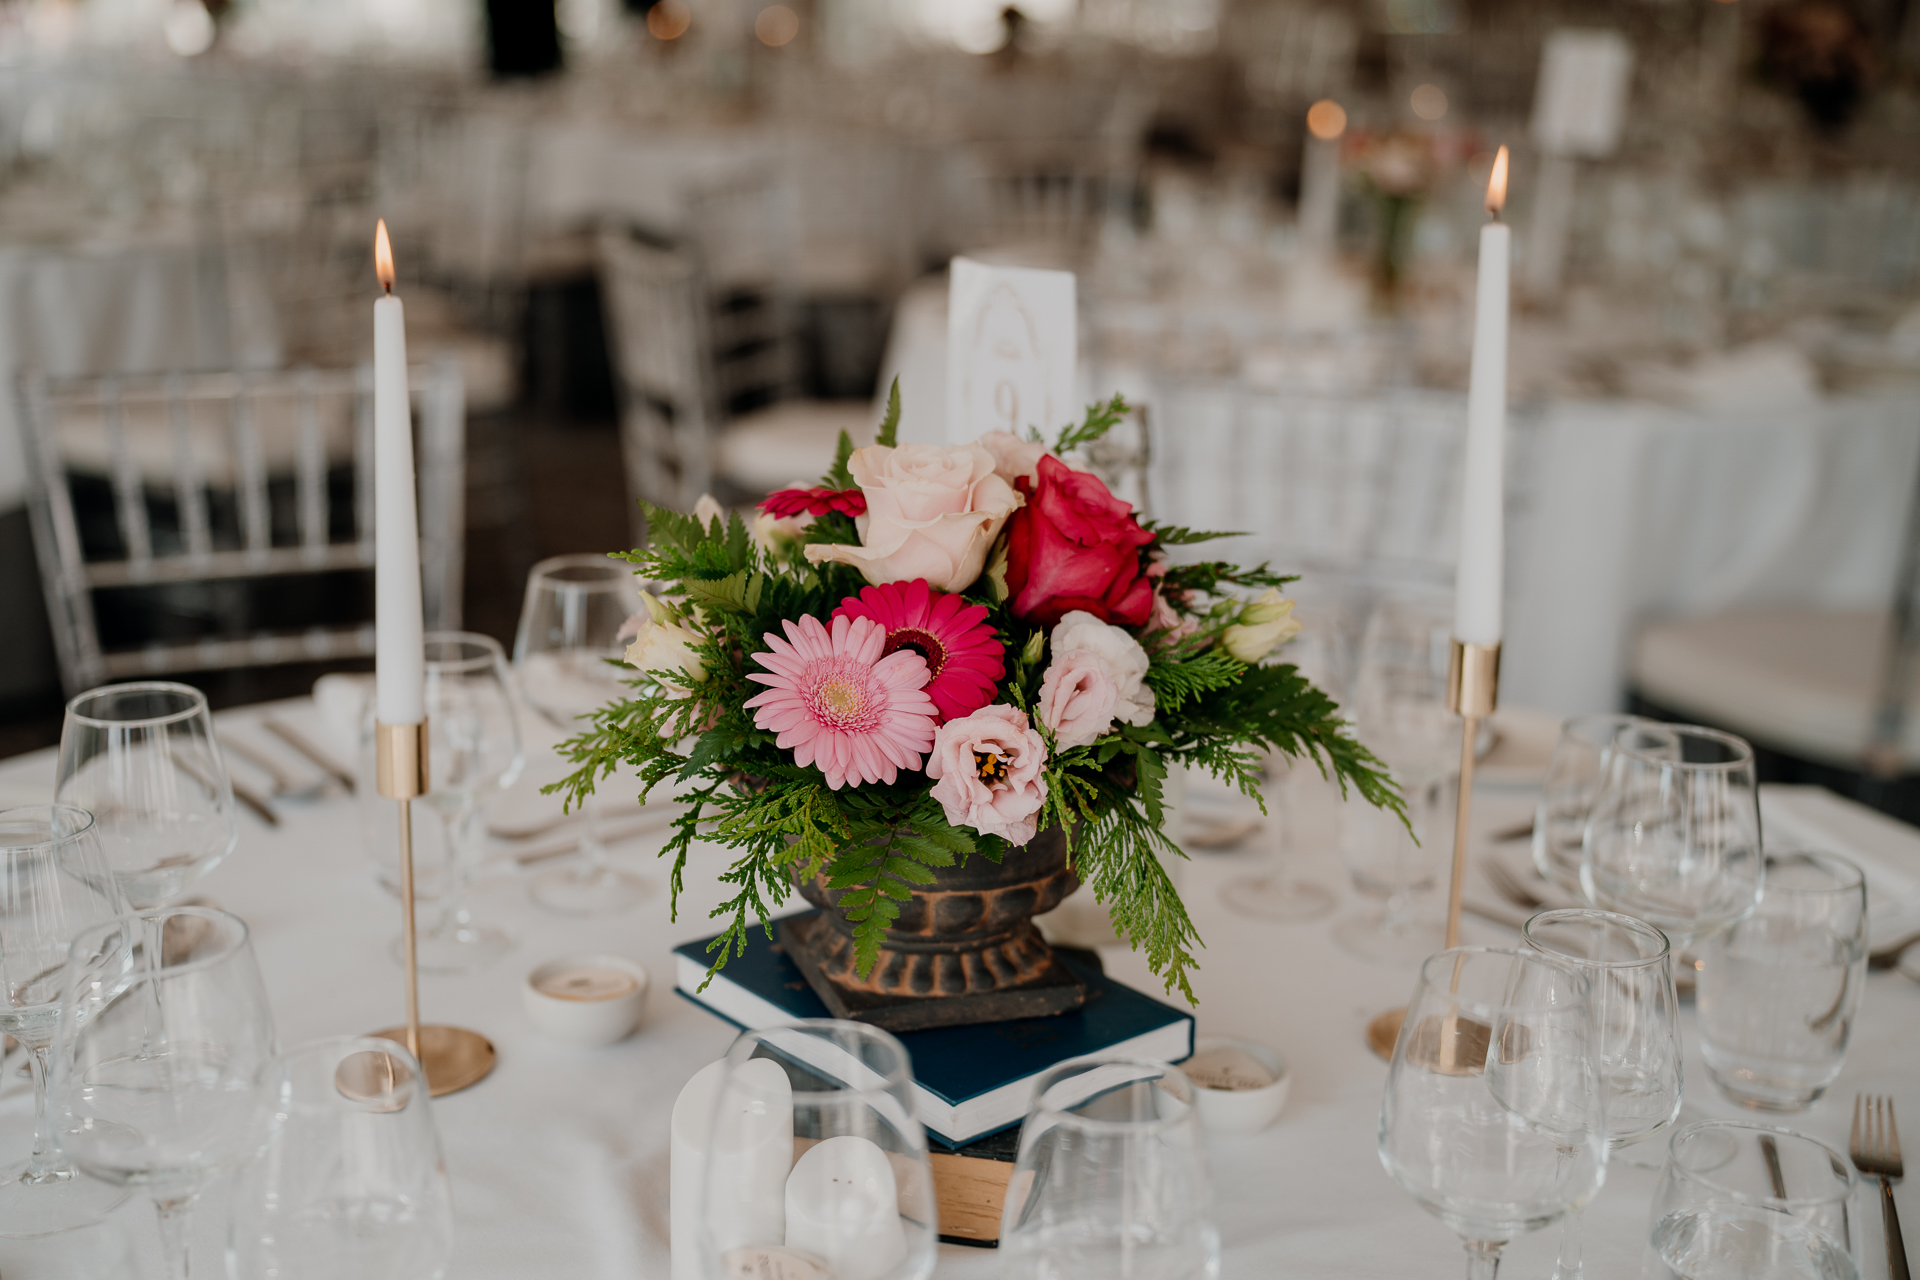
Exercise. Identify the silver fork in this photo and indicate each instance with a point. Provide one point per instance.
(1875, 1148)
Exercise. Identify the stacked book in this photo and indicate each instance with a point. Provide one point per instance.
(972, 1085)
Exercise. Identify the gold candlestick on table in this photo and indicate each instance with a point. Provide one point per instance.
(1473, 691)
(452, 1057)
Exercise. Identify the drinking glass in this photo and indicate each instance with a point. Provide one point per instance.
(1747, 1201)
(1400, 713)
(156, 1066)
(473, 753)
(1494, 1117)
(143, 760)
(565, 653)
(1777, 992)
(812, 1149)
(1323, 652)
(1674, 838)
(1110, 1179)
(1581, 759)
(1629, 969)
(54, 882)
(348, 1182)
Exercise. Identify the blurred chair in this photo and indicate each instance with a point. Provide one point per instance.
(207, 521)
(1364, 485)
(706, 378)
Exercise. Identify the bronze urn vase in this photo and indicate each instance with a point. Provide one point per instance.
(963, 950)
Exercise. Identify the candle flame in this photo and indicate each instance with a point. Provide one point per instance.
(383, 255)
(1497, 184)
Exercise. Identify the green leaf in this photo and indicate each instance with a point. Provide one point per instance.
(1100, 419)
(1176, 683)
(838, 477)
(1172, 535)
(890, 424)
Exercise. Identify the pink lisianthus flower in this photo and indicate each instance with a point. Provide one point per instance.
(1077, 698)
(839, 702)
(1166, 619)
(986, 768)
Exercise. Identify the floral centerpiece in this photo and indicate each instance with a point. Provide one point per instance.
(940, 655)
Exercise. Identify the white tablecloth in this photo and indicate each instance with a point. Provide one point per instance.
(559, 1159)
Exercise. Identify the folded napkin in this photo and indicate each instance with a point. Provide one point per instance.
(1817, 820)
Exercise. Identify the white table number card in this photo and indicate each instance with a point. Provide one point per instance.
(1010, 350)
(1581, 101)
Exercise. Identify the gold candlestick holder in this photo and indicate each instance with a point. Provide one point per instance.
(452, 1057)
(1473, 691)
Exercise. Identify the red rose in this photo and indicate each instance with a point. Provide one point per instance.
(1075, 546)
(816, 501)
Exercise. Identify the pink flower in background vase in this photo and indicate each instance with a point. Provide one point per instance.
(986, 768)
(931, 513)
(1077, 698)
(838, 702)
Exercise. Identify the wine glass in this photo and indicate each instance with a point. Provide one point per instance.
(570, 633)
(1494, 1117)
(1581, 758)
(143, 760)
(473, 752)
(1636, 1027)
(809, 1147)
(348, 1182)
(1674, 837)
(1110, 1179)
(1744, 1199)
(1400, 713)
(54, 881)
(156, 1066)
(1323, 652)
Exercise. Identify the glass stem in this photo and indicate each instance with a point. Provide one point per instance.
(593, 850)
(1483, 1259)
(45, 1164)
(176, 1222)
(1571, 1236)
(459, 830)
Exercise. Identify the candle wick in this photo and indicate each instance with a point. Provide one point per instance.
(387, 286)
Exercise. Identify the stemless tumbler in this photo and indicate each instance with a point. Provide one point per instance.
(1778, 991)
(348, 1182)
(1111, 1179)
(1750, 1202)
(1494, 1118)
(813, 1159)
(1674, 838)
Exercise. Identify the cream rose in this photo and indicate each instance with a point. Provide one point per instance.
(1126, 661)
(1263, 626)
(931, 513)
(1077, 698)
(986, 768)
(1012, 456)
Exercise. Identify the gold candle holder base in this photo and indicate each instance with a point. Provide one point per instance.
(452, 1057)
(1473, 691)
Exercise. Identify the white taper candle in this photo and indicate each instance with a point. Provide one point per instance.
(1478, 582)
(399, 658)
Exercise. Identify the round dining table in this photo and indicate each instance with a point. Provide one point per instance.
(559, 1159)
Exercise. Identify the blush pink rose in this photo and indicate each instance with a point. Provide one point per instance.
(1078, 698)
(1012, 456)
(931, 513)
(986, 768)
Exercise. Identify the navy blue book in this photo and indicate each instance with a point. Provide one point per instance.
(968, 1081)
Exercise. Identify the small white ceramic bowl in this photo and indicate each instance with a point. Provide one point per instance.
(587, 999)
(1236, 1110)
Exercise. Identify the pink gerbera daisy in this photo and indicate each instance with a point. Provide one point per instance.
(963, 658)
(840, 702)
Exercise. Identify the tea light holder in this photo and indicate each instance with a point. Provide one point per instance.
(587, 999)
(452, 1057)
(1239, 1086)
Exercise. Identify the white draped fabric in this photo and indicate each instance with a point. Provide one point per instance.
(559, 1159)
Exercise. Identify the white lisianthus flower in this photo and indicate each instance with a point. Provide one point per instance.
(663, 648)
(1124, 659)
(1263, 626)
(707, 509)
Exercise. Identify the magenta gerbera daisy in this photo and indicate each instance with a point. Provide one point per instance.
(842, 703)
(963, 659)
